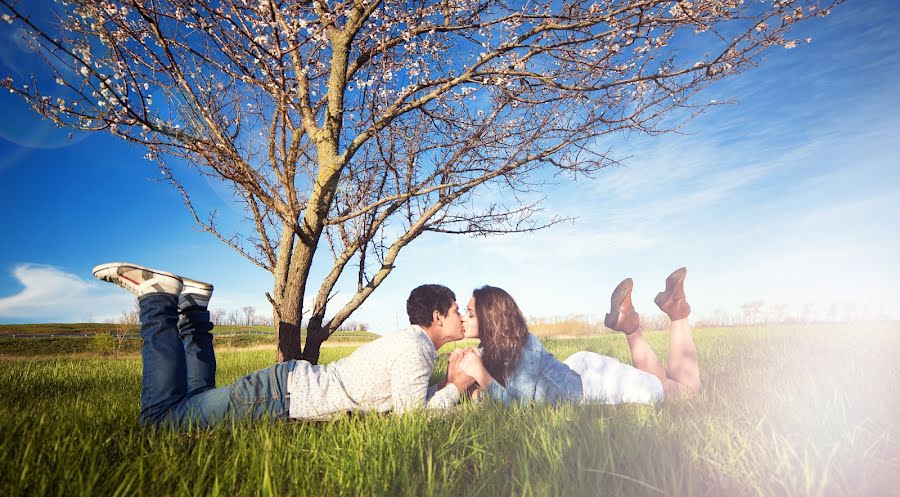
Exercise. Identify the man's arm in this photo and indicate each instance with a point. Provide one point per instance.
(448, 392)
(409, 383)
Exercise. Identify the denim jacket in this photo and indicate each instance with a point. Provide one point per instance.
(538, 377)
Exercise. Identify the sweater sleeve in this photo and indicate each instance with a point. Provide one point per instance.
(442, 399)
(410, 373)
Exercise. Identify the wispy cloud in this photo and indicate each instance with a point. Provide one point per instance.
(564, 245)
(50, 294)
(672, 178)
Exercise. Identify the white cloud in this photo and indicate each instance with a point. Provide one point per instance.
(53, 295)
(674, 177)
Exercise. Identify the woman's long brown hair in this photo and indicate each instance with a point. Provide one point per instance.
(502, 329)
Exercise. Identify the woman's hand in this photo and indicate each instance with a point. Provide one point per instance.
(471, 364)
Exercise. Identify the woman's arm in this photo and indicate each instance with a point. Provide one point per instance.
(472, 364)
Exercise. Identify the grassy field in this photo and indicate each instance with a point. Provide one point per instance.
(808, 411)
(81, 329)
(100, 338)
(76, 329)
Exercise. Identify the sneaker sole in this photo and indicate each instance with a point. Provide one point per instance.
(189, 283)
(110, 265)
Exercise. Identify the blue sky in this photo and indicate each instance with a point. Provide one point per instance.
(791, 196)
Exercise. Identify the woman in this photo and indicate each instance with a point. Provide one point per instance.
(512, 365)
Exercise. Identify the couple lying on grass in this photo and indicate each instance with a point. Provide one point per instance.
(392, 372)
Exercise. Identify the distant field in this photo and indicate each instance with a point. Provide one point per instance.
(96, 338)
(784, 411)
(93, 328)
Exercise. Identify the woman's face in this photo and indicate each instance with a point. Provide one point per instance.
(470, 324)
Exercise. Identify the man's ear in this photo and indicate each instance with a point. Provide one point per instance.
(436, 318)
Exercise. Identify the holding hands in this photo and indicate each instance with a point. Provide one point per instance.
(457, 376)
(468, 362)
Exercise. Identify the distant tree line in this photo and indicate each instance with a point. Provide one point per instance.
(752, 313)
(248, 316)
(760, 312)
(243, 316)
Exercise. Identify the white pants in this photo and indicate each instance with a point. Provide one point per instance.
(608, 381)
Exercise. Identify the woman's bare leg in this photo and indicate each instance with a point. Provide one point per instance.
(684, 371)
(683, 376)
(622, 317)
(643, 357)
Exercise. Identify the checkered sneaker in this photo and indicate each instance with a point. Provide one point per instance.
(194, 294)
(138, 280)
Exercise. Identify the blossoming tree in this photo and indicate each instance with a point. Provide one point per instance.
(352, 127)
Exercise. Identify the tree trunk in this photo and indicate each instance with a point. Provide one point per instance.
(288, 332)
(288, 338)
(315, 336)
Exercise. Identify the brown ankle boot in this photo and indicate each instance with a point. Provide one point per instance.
(672, 301)
(621, 315)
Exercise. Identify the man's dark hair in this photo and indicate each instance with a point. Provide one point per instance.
(426, 299)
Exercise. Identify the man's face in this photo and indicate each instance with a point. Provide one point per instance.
(453, 327)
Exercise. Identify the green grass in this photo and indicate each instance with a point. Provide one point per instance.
(784, 411)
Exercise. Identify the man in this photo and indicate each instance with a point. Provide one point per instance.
(179, 365)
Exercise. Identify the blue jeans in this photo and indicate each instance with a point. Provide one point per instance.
(179, 373)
